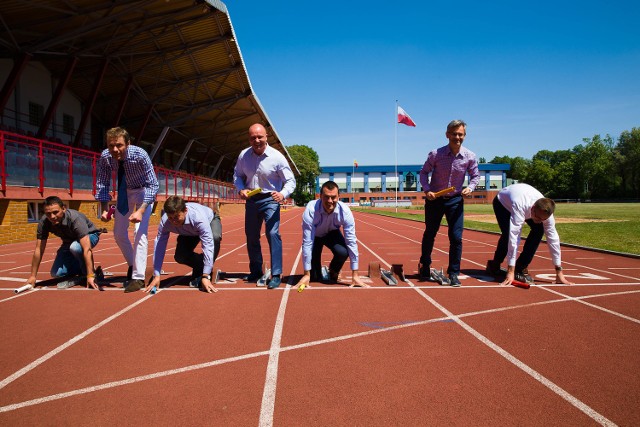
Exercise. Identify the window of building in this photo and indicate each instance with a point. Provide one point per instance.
(35, 210)
(67, 124)
(36, 113)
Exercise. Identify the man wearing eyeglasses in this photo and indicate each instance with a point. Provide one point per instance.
(514, 206)
(448, 166)
(194, 223)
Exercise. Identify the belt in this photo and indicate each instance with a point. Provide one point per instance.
(261, 196)
(451, 197)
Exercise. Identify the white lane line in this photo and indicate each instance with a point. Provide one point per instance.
(568, 397)
(288, 348)
(127, 381)
(588, 304)
(269, 393)
(67, 344)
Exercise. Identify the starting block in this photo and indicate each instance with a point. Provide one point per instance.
(388, 277)
(440, 277)
(398, 272)
(262, 282)
(324, 273)
(220, 276)
(374, 270)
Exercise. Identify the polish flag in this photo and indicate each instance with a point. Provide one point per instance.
(403, 117)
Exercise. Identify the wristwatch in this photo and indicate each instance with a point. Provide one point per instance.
(206, 276)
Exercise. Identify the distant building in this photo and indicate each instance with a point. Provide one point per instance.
(367, 184)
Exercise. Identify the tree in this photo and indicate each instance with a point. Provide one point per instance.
(596, 169)
(308, 163)
(627, 157)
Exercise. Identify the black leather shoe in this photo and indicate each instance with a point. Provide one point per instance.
(134, 285)
(274, 282)
(455, 282)
(424, 272)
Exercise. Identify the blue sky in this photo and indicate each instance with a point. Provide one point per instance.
(525, 76)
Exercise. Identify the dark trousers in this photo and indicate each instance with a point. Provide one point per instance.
(453, 210)
(186, 244)
(334, 240)
(258, 210)
(530, 245)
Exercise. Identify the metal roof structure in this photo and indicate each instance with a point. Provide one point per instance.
(169, 71)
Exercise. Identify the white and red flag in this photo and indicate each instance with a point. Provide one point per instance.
(404, 118)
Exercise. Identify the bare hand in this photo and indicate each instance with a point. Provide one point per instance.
(154, 282)
(136, 216)
(430, 195)
(278, 197)
(304, 280)
(243, 194)
(91, 281)
(208, 286)
(357, 281)
(466, 191)
(561, 279)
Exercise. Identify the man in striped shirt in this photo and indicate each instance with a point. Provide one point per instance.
(137, 189)
(448, 166)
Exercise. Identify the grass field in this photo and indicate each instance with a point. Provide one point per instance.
(610, 226)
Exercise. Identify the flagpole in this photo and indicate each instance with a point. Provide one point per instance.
(396, 152)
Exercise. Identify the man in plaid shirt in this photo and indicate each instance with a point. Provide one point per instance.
(137, 189)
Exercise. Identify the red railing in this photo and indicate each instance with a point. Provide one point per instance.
(21, 155)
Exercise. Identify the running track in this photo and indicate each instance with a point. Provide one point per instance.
(414, 354)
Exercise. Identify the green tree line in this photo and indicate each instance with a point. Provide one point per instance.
(599, 168)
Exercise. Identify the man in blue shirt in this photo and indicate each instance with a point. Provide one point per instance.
(264, 167)
(321, 223)
(137, 189)
(194, 223)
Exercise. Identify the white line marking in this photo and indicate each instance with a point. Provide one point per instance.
(62, 347)
(267, 407)
(141, 378)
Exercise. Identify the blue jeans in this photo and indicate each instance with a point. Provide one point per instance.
(453, 210)
(70, 260)
(256, 211)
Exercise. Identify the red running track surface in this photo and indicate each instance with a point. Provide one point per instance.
(413, 354)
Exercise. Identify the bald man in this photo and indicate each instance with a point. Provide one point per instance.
(262, 166)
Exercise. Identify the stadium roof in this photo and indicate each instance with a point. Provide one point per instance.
(176, 63)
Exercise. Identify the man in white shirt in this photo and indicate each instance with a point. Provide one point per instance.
(513, 206)
(321, 223)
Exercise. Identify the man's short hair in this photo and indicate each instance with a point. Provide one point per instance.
(329, 185)
(53, 200)
(174, 204)
(456, 123)
(545, 205)
(117, 132)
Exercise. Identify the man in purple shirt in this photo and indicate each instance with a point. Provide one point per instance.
(447, 166)
(194, 223)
